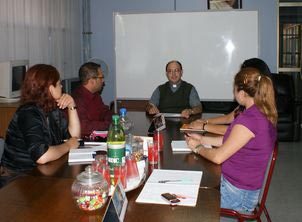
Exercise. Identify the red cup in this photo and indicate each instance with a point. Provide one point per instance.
(105, 171)
(132, 170)
(120, 173)
(100, 165)
(99, 160)
(158, 139)
(152, 153)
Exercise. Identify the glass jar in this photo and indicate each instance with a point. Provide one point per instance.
(90, 190)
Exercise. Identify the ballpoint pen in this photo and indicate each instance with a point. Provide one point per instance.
(167, 181)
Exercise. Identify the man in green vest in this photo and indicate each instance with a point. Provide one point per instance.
(176, 95)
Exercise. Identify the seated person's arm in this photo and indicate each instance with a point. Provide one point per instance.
(215, 125)
(206, 140)
(151, 107)
(195, 104)
(55, 152)
(216, 128)
(37, 137)
(201, 124)
(186, 113)
(74, 128)
(239, 136)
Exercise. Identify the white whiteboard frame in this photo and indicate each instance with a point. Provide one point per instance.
(140, 68)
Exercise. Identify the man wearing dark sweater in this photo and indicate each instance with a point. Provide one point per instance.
(176, 95)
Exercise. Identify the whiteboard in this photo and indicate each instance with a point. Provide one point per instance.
(210, 45)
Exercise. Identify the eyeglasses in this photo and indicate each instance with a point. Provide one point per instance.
(99, 77)
(170, 71)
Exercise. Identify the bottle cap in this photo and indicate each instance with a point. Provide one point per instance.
(115, 118)
(123, 111)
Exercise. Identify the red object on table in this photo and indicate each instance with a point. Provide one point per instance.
(158, 139)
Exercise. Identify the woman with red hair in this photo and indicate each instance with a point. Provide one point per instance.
(37, 132)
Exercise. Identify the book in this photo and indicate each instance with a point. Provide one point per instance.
(181, 183)
(85, 154)
(77, 157)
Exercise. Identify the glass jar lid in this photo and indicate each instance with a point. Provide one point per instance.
(89, 176)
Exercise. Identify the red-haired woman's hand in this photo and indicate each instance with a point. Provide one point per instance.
(65, 101)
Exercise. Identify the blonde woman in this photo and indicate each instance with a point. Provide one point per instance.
(245, 149)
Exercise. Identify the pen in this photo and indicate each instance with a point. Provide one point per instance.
(167, 181)
(77, 139)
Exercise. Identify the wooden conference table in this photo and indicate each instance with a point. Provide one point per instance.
(45, 194)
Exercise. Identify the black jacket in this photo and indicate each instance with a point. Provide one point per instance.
(29, 135)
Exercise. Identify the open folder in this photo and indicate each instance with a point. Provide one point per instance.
(181, 183)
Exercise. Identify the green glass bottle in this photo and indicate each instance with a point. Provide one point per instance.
(116, 143)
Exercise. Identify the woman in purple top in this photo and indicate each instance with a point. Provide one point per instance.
(245, 149)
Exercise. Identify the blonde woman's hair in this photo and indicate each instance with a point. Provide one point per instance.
(260, 87)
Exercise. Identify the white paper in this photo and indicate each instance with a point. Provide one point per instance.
(184, 184)
(181, 146)
(81, 157)
(95, 146)
(86, 153)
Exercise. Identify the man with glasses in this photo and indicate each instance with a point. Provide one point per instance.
(93, 113)
(176, 95)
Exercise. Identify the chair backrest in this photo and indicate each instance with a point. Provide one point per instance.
(285, 92)
(263, 195)
(268, 178)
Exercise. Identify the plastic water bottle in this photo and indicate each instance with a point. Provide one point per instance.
(125, 121)
(116, 144)
(127, 126)
(128, 145)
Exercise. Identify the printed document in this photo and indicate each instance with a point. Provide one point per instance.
(182, 183)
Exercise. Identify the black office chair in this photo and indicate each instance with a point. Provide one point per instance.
(256, 214)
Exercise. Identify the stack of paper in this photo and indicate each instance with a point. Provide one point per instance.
(180, 146)
(183, 184)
